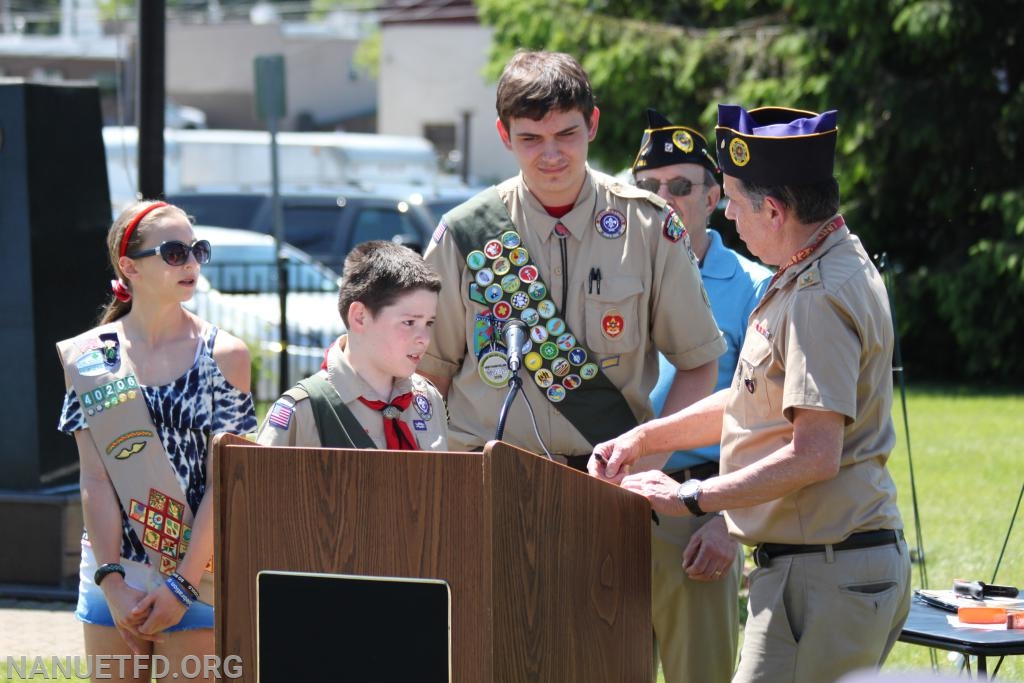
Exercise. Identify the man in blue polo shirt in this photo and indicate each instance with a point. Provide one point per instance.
(696, 566)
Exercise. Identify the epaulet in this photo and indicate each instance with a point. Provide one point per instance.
(633, 192)
(296, 394)
(809, 277)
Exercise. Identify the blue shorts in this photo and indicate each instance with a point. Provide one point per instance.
(92, 604)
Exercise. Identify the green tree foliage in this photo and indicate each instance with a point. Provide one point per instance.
(931, 110)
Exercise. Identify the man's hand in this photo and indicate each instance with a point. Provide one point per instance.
(710, 552)
(611, 457)
(658, 488)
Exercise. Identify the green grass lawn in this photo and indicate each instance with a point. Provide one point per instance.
(967, 450)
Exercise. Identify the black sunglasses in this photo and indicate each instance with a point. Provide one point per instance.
(677, 187)
(175, 252)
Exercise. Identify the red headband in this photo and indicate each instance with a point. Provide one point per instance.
(135, 223)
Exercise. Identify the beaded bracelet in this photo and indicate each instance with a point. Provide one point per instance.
(184, 583)
(178, 592)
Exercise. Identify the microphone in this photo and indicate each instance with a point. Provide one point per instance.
(513, 333)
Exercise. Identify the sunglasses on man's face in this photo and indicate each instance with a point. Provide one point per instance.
(677, 187)
(175, 252)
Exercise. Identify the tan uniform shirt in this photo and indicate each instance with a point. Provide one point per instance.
(425, 416)
(648, 285)
(821, 338)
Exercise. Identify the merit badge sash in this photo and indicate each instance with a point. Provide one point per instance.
(135, 459)
(507, 282)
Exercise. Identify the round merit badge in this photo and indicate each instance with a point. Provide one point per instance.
(476, 259)
(543, 378)
(530, 316)
(502, 310)
(519, 256)
(537, 291)
(533, 361)
(611, 223)
(511, 283)
(501, 266)
(510, 239)
(578, 356)
(528, 273)
(493, 369)
(493, 249)
(556, 393)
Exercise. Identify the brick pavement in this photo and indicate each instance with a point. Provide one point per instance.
(45, 629)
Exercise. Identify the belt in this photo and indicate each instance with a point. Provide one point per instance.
(702, 471)
(764, 552)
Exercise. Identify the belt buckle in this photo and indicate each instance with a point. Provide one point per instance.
(761, 557)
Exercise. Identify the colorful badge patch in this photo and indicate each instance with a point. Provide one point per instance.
(548, 350)
(571, 382)
(492, 293)
(556, 393)
(511, 283)
(510, 239)
(520, 301)
(419, 425)
(475, 294)
(163, 528)
(91, 363)
(683, 141)
(483, 333)
(280, 414)
(611, 223)
(589, 371)
(673, 228)
(739, 152)
(493, 249)
(546, 308)
(476, 259)
(530, 316)
(565, 341)
(609, 362)
(120, 451)
(111, 348)
(501, 265)
(560, 366)
(484, 277)
(493, 369)
(612, 324)
(502, 310)
(533, 361)
(422, 404)
(543, 378)
(539, 334)
(537, 291)
(109, 395)
(528, 274)
(578, 356)
(556, 326)
(519, 256)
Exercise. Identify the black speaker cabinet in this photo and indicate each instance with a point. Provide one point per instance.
(54, 215)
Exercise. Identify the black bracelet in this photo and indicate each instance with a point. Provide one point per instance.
(184, 583)
(104, 569)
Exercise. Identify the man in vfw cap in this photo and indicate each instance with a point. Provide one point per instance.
(696, 567)
(805, 426)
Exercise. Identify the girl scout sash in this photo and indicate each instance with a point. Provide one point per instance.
(505, 278)
(134, 457)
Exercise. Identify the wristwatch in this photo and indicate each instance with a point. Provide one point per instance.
(688, 494)
(105, 569)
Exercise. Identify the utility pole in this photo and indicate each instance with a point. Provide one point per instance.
(151, 93)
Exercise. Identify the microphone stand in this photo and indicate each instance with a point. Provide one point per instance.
(514, 384)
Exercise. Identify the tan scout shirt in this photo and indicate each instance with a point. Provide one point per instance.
(820, 338)
(425, 416)
(647, 281)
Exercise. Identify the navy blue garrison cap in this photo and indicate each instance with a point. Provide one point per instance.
(665, 144)
(776, 145)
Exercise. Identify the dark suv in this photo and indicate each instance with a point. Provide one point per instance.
(325, 226)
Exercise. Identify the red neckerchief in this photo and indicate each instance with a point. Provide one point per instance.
(396, 432)
(804, 253)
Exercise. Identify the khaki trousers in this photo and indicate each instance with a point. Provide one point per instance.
(696, 623)
(812, 618)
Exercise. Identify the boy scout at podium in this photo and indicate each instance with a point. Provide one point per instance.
(599, 272)
(805, 427)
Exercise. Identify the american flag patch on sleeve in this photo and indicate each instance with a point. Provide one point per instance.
(280, 414)
(439, 231)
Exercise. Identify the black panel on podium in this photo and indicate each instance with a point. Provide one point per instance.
(382, 629)
(54, 213)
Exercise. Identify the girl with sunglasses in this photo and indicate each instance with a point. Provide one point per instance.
(147, 388)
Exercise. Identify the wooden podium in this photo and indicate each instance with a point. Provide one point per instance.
(548, 568)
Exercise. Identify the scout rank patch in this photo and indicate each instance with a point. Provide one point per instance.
(673, 228)
(557, 354)
(163, 529)
(611, 224)
(110, 395)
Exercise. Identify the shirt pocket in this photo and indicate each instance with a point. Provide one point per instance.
(613, 315)
(751, 378)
